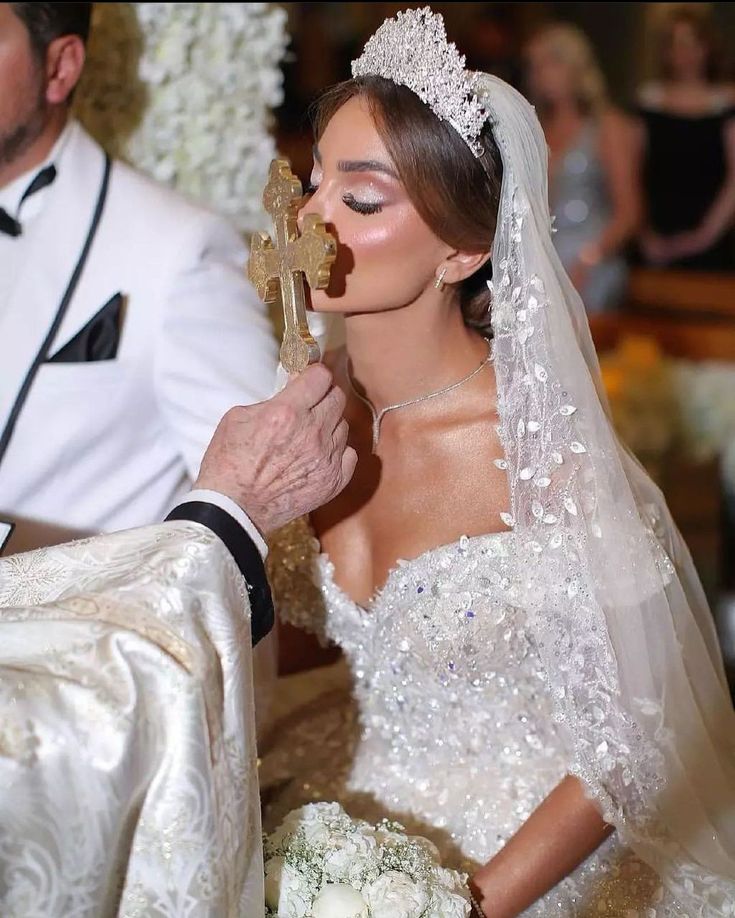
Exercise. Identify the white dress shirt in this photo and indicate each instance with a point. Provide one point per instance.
(14, 250)
(236, 512)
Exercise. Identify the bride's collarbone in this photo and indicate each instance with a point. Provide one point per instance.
(366, 543)
(431, 481)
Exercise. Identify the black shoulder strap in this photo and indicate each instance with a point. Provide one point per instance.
(60, 313)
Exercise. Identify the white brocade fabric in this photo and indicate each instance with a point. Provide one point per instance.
(128, 781)
(446, 725)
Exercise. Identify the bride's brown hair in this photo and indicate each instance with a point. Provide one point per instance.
(456, 194)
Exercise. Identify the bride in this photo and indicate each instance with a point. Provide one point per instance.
(539, 688)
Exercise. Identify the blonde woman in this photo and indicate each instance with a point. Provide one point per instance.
(592, 192)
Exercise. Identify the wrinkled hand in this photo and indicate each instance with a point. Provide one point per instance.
(284, 457)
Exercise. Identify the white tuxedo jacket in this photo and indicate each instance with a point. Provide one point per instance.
(109, 444)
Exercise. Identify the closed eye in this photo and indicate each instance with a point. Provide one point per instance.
(361, 207)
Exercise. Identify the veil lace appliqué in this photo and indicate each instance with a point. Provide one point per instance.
(615, 603)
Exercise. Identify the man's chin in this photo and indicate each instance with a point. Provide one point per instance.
(16, 140)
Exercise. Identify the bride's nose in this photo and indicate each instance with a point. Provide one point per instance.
(307, 207)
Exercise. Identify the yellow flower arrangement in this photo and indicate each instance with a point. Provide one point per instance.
(639, 385)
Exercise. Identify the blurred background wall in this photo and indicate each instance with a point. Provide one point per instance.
(325, 37)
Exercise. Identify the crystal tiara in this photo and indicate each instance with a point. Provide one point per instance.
(412, 50)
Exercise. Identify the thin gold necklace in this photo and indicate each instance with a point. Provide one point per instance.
(379, 415)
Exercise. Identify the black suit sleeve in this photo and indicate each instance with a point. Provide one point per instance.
(246, 555)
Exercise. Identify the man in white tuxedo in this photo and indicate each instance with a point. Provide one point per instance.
(127, 327)
(128, 774)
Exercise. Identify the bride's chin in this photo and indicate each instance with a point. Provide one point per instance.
(320, 301)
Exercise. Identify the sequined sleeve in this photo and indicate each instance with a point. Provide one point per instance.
(292, 572)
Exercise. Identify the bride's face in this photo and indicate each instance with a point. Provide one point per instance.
(387, 256)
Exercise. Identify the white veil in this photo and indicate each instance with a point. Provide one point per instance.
(621, 622)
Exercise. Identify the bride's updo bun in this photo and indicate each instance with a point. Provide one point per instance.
(456, 194)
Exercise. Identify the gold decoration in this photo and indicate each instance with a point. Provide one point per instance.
(282, 264)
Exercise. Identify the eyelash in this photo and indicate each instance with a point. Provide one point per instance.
(360, 207)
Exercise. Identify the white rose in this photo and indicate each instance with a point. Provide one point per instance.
(337, 900)
(322, 810)
(445, 904)
(394, 895)
(286, 890)
(316, 833)
(349, 856)
(287, 828)
(451, 897)
(312, 814)
(452, 880)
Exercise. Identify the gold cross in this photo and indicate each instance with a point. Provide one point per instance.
(282, 265)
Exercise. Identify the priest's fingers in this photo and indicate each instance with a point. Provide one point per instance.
(307, 389)
(330, 410)
(349, 462)
(339, 437)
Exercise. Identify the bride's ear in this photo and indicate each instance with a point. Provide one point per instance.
(460, 265)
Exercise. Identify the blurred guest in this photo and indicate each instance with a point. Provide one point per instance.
(687, 146)
(592, 193)
(127, 327)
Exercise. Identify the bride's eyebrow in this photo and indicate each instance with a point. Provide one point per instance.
(358, 165)
(365, 165)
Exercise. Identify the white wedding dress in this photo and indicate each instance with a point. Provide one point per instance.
(486, 670)
(448, 725)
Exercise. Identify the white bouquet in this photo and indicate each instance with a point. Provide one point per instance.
(320, 863)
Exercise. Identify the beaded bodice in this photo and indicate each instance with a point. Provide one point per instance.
(455, 732)
(441, 645)
(446, 674)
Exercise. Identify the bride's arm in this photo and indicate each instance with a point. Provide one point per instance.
(564, 830)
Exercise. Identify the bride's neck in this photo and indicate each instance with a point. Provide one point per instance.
(402, 354)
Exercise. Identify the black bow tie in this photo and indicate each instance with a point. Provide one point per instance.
(12, 226)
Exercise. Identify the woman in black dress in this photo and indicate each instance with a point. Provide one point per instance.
(687, 146)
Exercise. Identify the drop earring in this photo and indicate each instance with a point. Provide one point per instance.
(439, 282)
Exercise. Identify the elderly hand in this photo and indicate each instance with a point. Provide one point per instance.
(284, 457)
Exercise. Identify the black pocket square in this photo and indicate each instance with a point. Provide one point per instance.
(6, 530)
(98, 340)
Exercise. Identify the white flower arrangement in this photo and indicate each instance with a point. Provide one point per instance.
(185, 93)
(659, 404)
(706, 396)
(707, 412)
(320, 863)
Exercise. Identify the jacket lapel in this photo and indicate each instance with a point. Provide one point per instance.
(53, 254)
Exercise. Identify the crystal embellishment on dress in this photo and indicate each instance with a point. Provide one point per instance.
(446, 722)
(412, 50)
